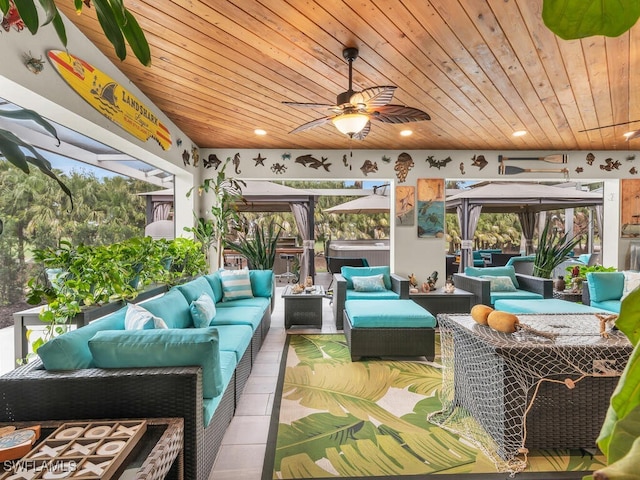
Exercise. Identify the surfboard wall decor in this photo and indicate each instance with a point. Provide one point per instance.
(110, 98)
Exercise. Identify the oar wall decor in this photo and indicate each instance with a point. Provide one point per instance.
(557, 158)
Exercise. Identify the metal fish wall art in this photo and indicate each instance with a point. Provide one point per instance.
(479, 161)
(369, 167)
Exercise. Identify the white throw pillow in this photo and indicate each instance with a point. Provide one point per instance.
(631, 282)
(203, 310)
(236, 284)
(500, 284)
(139, 318)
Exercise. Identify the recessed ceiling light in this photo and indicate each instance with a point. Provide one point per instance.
(259, 131)
(519, 133)
(406, 133)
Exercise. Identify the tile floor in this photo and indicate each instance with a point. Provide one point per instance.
(242, 452)
(243, 447)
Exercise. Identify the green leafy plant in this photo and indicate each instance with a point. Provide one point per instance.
(118, 24)
(204, 232)
(257, 243)
(227, 193)
(72, 278)
(572, 19)
(188, 260)
(584, 269)
(553, 249)
(619, 438)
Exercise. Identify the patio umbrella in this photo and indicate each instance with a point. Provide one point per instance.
(522, 198)
(369, 204)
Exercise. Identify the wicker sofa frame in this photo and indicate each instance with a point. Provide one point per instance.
(32, 393)
(481, 288)
(399, 285)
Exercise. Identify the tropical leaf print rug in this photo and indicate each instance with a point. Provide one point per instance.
(333, 418)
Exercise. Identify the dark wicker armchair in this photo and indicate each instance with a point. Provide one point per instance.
(399, 285)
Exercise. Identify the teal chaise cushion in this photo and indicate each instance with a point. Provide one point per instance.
(396, 314)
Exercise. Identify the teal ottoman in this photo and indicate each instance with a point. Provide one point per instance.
(548, 305)
(388, 328)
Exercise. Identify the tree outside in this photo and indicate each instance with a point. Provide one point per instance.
(36, 214)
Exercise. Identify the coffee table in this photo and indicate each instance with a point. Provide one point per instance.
(518, 386)
(303, 308)
(158, 455)
(438, 301)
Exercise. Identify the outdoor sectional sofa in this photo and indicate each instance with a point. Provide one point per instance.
(104, 371)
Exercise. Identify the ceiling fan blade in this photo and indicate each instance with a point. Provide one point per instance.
(321, 106)
(374, 96)
(635, 134)
(363, 133)
(312, 124)
(398, 114)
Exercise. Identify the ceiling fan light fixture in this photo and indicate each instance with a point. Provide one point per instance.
(350, 123)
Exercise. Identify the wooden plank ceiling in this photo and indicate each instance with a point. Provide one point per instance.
(481, 69)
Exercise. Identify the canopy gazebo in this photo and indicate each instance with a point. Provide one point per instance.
(526, 199)
(264, 196)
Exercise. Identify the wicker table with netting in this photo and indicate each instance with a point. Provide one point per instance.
(526, 390)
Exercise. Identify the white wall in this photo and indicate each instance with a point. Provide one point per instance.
(424, 255)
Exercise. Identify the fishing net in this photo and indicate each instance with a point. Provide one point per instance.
(511, 393)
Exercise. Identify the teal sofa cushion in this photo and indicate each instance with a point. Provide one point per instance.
(398, 313)
(254, 302)
(172, 307)
(162, 348)
(261, 283)
(608, 305)
(386, 295)
(506, 271)
(227, 367)
(547, 305)
(193, 289)
(235, 338)
(251, 316)
(71, 350)
(605, 286)
(517, 295)
(349, 272)
(216, 285)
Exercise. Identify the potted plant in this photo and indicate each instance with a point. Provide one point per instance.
(227, 193)
(553, 249)
(93, 281)
(257, 243)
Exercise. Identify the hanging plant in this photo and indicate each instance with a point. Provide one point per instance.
(573, 19)
(116, 21)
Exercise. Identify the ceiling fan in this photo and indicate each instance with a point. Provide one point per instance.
(629, 135)
(353, 111)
